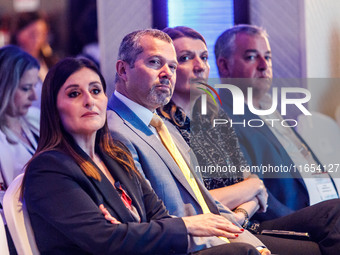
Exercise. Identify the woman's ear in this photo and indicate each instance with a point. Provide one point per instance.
(121, 69)
(223, 67)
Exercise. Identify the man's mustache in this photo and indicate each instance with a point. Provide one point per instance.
(164, 82)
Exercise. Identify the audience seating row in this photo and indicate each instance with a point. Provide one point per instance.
(320, 131)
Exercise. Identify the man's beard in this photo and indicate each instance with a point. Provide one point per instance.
(159, 97)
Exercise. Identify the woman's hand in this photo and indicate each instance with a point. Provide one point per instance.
(211, 225)
(108, 216)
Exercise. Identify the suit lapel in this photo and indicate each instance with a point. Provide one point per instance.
(163, 153)
(191, 160)
(132, 121)
(112, 198)
(127, 115)
(108, 192)
(128, 182)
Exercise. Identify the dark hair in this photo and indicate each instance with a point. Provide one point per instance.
(52, 133)
(24, 19)
(14, 62)
(182, 31)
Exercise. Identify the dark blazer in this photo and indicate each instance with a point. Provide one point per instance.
(157, 165)
(287, 191)
(63, 207)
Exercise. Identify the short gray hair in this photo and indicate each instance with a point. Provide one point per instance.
(225, 46)
(130, 46)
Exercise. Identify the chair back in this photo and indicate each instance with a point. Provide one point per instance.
(18, 220)
(3, 239)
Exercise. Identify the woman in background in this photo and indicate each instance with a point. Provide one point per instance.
(78, 170)
(19, 122)
(31, 32)
(212, 146)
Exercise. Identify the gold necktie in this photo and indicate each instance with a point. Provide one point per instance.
(167, 141)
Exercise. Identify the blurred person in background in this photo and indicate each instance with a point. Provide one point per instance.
(19, 122)
(30, 32)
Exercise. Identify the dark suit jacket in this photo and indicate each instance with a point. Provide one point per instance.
(287, 191)
(63, 206)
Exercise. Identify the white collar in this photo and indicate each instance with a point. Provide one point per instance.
(266, 101)
(143, 113)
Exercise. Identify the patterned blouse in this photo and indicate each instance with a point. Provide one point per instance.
(217, 148)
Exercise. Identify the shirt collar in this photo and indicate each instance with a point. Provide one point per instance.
(266, 101)
(143, 113)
